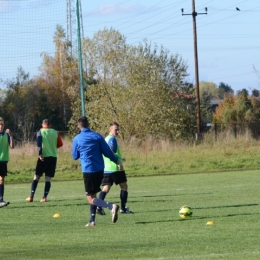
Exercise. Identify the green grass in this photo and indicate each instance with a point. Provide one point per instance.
(155, 231)
(150, 158)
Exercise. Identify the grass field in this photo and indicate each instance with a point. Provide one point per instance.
(154, 231)
(151, 158)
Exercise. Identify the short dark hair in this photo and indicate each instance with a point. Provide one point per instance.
(46, 122)
(83, 122)
(114, 123)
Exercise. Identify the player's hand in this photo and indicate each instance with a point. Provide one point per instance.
(120, 167)
(8, 131)
(41, 158)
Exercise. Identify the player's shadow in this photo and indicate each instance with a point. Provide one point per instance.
(170, 195)
(150, 197)
(229, 206)
(195, 218)
(40, 205)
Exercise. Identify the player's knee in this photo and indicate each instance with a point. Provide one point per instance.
(106, 189)
(90, 199)
(2, 179)
(124, 186)
(48, 179)
(36, 177)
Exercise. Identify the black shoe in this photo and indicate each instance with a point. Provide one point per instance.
(100, 211)
(126, 211)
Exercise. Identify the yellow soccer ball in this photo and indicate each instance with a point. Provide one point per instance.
(185, 211)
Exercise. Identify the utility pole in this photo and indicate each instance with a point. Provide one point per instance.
(194, 15)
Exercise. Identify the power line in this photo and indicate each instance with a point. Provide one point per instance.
(177, 24)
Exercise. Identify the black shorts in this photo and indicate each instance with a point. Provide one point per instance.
(48, 166)
(3, 169)
(114, 177)
(92, 182)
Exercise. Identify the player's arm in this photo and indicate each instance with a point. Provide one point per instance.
(74, 152)
(10, 138)
(106, 151)
(59, 141)
(39, 145)
(112, 143)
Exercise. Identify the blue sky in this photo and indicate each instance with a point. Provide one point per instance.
(228, 40)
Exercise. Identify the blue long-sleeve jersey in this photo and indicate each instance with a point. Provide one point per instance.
(88, 146)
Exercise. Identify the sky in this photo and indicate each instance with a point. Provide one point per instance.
(228, 40)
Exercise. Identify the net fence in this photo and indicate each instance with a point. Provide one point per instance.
(27, 31)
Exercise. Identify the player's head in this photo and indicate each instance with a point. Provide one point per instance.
(2, 124)
(46, 123)
(114, 128)
(83, 122)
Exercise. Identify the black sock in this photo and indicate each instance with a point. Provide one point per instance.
(34, 187)
(2, 188)
(46, 189)
(123, 197)
(102, 196)
(93, 209)
(101, 203)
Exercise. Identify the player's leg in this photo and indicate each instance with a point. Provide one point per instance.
(105, 191)
(120, 178)
(51, 163)
(40, 168)
(93, 209)
(92, 187)
(123, 195)
(107, 182)
(3, 173)
(34, 185)
(47, 188)
(2, 187)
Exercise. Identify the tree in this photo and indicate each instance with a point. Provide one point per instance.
(2, 95)
(224, 89)
(244, 92)
(255, 93)
(20, 105)
(59, 78)
(234, 109)
(142, 87)
(209, 90)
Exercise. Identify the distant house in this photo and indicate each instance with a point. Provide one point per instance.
(214, 104)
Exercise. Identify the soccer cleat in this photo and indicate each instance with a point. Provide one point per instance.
(29, 199)
(126, 211)
(90, 224)
(114, 211)
(43, 200)
(100, 211)
(4, 204)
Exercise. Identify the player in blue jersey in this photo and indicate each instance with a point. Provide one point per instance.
(89, 146)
